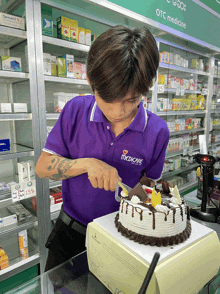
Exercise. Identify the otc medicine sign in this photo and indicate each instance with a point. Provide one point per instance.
(197, 18)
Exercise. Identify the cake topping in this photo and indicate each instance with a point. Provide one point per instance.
(177, 194)
(155, 198)
(138, 191)
(165, 186)
(123, 194)
(174, 200)
(147, 182)
(161, 208)
(135, 199)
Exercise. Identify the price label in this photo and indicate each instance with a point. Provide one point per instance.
(30, 188)
(20, 194)
(160, 89)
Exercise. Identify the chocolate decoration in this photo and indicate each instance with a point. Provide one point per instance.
(138, 191)
(188, 213)
(152, 241)
(147, 182)
(150, 207)
(165, 186)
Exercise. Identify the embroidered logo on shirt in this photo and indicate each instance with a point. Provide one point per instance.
(133, 160)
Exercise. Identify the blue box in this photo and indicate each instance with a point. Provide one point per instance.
(47, 27)
(5, 145)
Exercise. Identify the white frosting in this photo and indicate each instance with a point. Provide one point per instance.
(123, 194)
(162, 208)
(139, 219)
(174, 200)
(135, 199)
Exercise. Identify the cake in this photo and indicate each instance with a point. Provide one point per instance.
(148, 215)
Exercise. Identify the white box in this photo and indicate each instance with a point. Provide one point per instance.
(47, 63)
(69, 65)
(122, 264)
(31, 168)
(69, 96)
(59, 101)
(20, 107)
(11, 63)
(9, 220)
(12, 21)
(22, 171)
(5, 107)
(55, 207)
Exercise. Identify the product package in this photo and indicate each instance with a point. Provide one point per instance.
(73, 30)
(88, 37)
(5, 145)
(63, 28)
(83, 68)
(23, 244)
(81, 35)
(3, 259)
(61, 67)
(5, 108)
(59, 101)
(47, 63)
(69, 65)
(11, 63)
(12, 21)
(21, 212)
(47, 27)
(77, 70)
(20, 107)
(53, 60)
(22, 171)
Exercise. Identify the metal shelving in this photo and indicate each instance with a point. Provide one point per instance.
(187, 186)
(189, 112)
(187, 131)
(183, 69)
(17, 151)
(179, 170)
(65, 80)
(15, 116)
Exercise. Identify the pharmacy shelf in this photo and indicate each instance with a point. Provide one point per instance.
(52, 116)
(173, 90)
(13, 76)
(189, 112)
(214, 144)
(7, 231)
(216, 77)
(10, 37)
(54, 184)
(15, 116)
(187, 131)
(17, 151)
(179, 152)
(64, 43)
(179, 170)
(183, 69)
(187, 186)
(65, 80)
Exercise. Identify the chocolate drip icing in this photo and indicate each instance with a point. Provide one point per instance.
(150, 207)
(188, 213)
(181, 211)
(127, 208)
(153, 221)
(141, 213)
(174, 212)
(122, 205)
(152, 241)
(166, 216)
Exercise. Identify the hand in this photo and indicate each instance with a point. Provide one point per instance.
(102, 175)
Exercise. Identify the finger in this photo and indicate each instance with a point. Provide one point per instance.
(119, 179)
(107, 183)
(100, 183)
(113, 180)
(94, 182)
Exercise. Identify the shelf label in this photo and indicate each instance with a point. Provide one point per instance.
(23, 190)
(160, 89)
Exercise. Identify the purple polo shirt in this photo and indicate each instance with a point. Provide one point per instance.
(82, 131)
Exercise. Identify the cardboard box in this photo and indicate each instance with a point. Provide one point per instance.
(73, 30)
(83, 67)
(12, 21)
(47, 27)
(59, 101)
(121, 264)
(63, 28)
(69, 65)
(11, 63)
(77, 70)
(4, 145)
(20, 107)
(47, 63)
(61, 67)
(81, 35)
(88, 37)
(5, 108)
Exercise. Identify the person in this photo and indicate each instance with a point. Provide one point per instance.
(104, 138)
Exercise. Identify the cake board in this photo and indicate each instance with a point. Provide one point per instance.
(121, 264)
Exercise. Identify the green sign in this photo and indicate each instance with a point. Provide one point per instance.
(185, 16)
(211, 5)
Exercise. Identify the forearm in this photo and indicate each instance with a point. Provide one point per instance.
(60, 168)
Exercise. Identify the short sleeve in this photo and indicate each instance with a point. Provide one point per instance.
(57, 141)
(155, 167)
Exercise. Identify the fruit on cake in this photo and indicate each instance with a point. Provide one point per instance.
(151, 216)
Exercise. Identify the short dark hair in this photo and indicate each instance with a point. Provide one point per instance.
(121, 60)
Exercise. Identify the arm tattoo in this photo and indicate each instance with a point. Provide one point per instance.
(60, 166)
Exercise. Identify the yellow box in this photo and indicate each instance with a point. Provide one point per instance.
(73, 30)
(201, 102)
(161, 79)
(176, 104)
(63, 28)
(81, 35)
(185, 104)
(121, 264)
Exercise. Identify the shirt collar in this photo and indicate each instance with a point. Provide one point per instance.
(138, 124)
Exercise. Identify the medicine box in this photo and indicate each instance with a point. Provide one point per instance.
(69, 65)
(61, 67)
(88, 37)
(11, 63)
(47, 27)
(22, 171)
(12, 21)
(81, 35)
(20, 107)
(77, 70)
(4, 145)
(63, 28)
(83, 68)
(53, 60)
(47, 63)
(73, 30)
(5, 108)
(59, 101)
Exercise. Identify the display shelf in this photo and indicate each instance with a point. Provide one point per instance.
(53, 184)
(173, 90)
(183, 69)
(187, 131)
(65, 80)
(28, 223)
(187, 186)
(214, 144)
(179, 170)
(13, 76)
(54, 215)
(10, 37)
(15, 116)
(216, 77)
(52, 116)
(64, 43)
(17, 151)
(189, 112)
(179, 152)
